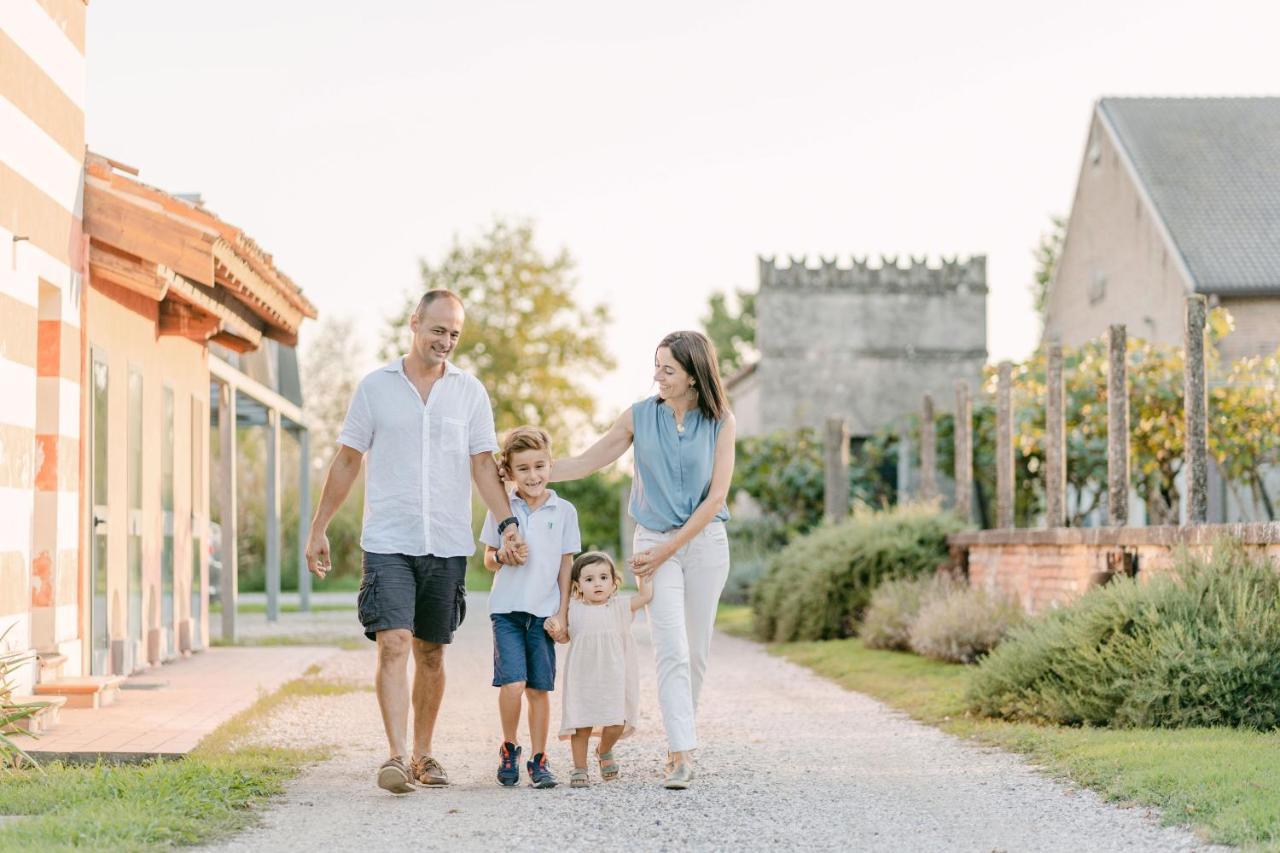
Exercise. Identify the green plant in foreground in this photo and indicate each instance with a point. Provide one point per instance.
(12, 713)
(1197, 647)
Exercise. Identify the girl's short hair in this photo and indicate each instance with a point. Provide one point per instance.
(590, 558)
(522, 438)
(697, 355)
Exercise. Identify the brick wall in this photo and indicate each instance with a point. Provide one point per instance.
(1045, 568)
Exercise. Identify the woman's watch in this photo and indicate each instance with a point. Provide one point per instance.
(507, 522)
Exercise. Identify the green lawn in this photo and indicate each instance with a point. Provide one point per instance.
(160, 804)
(1221, 781)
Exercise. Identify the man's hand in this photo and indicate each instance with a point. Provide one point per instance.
(318, 554)
(514, 549)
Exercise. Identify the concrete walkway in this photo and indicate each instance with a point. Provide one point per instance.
(181, 702)
(789, 761)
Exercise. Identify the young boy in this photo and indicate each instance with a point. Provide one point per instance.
(530, 589)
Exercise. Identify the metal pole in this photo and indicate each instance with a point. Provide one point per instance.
(304, 517)
(228, 590)
(273, 516)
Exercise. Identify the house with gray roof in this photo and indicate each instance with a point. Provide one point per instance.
(1175, 196)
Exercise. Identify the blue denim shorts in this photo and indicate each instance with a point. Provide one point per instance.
(523, 651)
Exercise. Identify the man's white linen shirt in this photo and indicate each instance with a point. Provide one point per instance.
(417, 492)
(550, 531)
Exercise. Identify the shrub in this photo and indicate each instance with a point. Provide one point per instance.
(886, 624)
(963, 624)
(752, 541)
(817, 587)
(1197, 647)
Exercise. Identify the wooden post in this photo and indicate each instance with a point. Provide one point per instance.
(904, 463)
(837, 469)
(1196, 407)
(1055, 454)
(304, 517)
(273, 516)
(228, 591)
(1117, 428)
(964, 451)
(1004, 446)
(928, 451)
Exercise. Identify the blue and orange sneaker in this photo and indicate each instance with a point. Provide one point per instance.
(509, 766)
(540, 775)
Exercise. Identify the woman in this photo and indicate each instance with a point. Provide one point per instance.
(684, 442)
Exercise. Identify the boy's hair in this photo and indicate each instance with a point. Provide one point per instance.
(590, 558)
(522, 438)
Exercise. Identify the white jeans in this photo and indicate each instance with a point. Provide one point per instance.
(686, 590)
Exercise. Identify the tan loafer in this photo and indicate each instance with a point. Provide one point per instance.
(679, 775)
(393, 777)
(427, 771)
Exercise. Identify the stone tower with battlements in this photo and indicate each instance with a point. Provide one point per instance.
(860, 341)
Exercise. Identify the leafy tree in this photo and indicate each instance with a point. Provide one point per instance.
(734, 334)
(1046, 254)
(526, 337)
(598, 499)
(329, 379)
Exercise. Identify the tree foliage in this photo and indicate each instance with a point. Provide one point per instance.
(1046, 254)
(732, 332)
(526, 336)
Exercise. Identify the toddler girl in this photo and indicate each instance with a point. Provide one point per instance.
(601, 679)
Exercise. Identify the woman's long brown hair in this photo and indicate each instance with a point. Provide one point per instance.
(697, 355)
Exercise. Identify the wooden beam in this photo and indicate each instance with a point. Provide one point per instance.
(184, 321)
(126, 271)
(130, 225)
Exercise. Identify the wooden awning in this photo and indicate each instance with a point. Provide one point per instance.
(212, 281)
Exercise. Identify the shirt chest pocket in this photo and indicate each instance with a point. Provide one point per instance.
(453, 435)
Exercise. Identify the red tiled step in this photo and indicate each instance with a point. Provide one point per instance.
(94, 691)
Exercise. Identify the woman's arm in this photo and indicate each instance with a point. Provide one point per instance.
(613, 444)
(647, 562)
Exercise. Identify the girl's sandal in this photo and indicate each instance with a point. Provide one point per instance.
(578, 778)
(608, 765)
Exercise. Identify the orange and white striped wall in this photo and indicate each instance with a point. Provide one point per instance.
(42, 261)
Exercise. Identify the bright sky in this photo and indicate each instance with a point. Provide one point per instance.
(664, 144)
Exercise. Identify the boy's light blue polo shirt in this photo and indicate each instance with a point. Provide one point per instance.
(550, 531)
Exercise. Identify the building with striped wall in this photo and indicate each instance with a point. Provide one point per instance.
(42, 272)
(131, 320)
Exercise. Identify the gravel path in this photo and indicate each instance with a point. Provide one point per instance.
(789, 761)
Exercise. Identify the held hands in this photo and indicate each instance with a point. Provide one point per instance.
(514, 550)
(318, 554)
(558, 627)
(645, 563)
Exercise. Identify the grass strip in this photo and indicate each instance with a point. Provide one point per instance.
(347, 642)
(1220, 781)
(286, 607)
(211, 793)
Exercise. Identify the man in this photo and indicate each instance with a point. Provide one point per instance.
(427, 428)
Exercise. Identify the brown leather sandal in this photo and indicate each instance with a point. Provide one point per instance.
(394, 777)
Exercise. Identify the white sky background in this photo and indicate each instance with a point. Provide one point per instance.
(665, 145)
